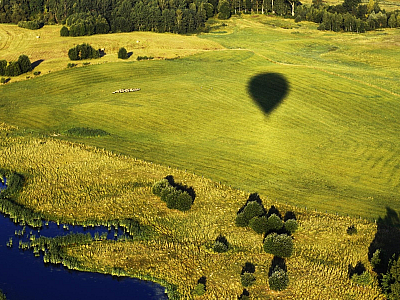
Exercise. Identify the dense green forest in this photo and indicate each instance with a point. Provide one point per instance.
(87, 17)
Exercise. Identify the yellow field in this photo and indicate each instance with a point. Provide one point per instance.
(53, 49)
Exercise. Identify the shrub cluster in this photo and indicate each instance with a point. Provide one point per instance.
(174, 197)
(144, 57)
(16, 68)
(33, 25)
(254, 215)
(83, 51)
(278, 240)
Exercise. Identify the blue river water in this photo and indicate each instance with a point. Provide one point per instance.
(3, 183)
(25, 277)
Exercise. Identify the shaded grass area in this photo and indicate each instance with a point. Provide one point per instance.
(86, 132)
(72, 182)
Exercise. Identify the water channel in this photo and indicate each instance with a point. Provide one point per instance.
(24, 276)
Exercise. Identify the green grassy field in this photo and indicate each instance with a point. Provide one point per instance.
(331, 144)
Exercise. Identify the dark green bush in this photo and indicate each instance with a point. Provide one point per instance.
(259, 224)
(291, 225)
(184, 201)
(166, 192)
(275, 222)
(36, 73)
(351, 230)
(13, 69)
(122, 53)
(3, 67)
(175, 199)
(253, 209)
(219, 247)
(391, 280)
(247, 279)
(64, 31)
(24, 63)
(159, 186)
(241, 220)
(279, 280)
(224, 10)
(280, 245)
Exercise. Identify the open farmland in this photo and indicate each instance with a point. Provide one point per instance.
(330, 143)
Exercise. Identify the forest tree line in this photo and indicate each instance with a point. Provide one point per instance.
(350, 16)
(85, 17)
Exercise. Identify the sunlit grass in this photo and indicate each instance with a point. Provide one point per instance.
(331, 144)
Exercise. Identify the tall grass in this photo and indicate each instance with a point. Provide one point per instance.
(74, 183)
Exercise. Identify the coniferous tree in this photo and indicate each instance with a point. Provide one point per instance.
(24, 63)
(3, 67)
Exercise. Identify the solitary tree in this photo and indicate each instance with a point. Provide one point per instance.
(122, 53)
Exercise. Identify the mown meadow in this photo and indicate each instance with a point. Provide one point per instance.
(73, 183)
(303, 117)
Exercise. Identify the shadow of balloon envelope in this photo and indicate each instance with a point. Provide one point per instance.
(268, 90)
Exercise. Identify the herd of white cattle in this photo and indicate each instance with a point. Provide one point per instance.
(125, 91)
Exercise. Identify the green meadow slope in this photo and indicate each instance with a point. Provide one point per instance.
(330, 144)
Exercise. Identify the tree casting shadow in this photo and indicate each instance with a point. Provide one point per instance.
(387, 240)
(181, 187)
(268, 90)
